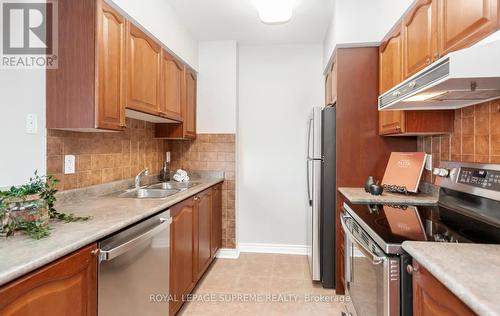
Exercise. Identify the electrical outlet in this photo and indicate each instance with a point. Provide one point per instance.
(69, 164)
(31, 124)
(428, 162)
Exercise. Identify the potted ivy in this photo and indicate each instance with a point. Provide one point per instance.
(30, 207)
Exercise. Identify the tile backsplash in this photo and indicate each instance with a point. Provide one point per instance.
(104, 157)
(476, 137)
(212, 152)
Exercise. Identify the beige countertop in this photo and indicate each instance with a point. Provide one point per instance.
(358, 195)
(470, 271)
(20, 255)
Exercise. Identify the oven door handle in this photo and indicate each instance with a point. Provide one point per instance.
(375, 260)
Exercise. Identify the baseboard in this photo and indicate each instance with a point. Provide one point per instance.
(228, 253)
(274, 248)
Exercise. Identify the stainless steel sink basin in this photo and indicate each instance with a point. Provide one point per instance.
(173, 185)
(147, 193)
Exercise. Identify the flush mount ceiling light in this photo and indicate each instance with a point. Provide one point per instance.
(274, 11)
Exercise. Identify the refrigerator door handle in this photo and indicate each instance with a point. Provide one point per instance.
(309, 198)
(308, 160)
(309, 127)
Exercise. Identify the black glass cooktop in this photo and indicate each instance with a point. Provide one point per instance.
(394, 224)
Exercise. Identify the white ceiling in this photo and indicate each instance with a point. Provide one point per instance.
(209, 20)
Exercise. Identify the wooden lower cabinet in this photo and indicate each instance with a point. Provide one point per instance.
(432, 298)
(63, 288)
(182, 252)
(203, 232)
(192, 231)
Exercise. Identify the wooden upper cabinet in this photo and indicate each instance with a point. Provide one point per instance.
(464, 22)
(143, 71)
(87, 90)
(390, 74)
(432, 298)
(111, 67)
(182, 252)
(391, 57)
(172, 85)
(216, 243)
(64, 288)
(204, 231)
(189, 114)
(187, 128)
(419, 37)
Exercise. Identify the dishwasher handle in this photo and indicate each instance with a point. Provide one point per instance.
(106, 255)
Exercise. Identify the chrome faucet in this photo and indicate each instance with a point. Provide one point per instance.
(138, 178)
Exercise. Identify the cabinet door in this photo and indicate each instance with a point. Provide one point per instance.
(432, 298)
(391, 56)
(464, 22)
(216, 219)
(63, 288)
(143, 71)
(172, 77)
(204, 232)
(111, 68)
(182, 251)
(419, 37)
(189, 115)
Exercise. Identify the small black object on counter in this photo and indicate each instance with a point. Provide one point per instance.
(369, 183)
(376, 189)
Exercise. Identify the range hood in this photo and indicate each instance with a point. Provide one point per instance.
(465, 77)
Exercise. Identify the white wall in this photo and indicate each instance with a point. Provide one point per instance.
(278, 85)
(217, 87)
(158, 17)
(361, 21)
(22, 92)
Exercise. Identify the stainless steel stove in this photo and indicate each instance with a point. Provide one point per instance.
(468, 211)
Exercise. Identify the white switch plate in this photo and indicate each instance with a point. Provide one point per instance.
(428, 162)
(31, 124)
(69, 164)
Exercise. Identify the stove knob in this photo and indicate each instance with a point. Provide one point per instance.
(441, 172)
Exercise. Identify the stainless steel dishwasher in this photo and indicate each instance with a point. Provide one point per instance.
(134, 269)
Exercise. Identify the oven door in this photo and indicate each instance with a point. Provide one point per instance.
(372, 277)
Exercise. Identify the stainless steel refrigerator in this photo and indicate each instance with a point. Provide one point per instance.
(321, 191)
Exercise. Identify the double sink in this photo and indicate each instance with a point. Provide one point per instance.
(156, 191)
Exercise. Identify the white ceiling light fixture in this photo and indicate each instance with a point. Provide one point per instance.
(274, 11)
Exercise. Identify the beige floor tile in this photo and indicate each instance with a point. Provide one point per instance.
(290, 259)
(251, 284)
(291, 271)
(233, 281)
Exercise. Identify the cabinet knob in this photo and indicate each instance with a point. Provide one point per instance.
(197, 198)
(428, 60)
(95, 252)
(410, 269)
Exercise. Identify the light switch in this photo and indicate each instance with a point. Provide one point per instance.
(69, 164)
(31, 124)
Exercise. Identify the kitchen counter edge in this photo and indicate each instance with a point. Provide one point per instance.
(13, 271)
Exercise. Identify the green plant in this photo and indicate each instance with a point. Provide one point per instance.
(45, 186)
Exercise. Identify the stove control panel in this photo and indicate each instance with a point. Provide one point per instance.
(481, 178)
